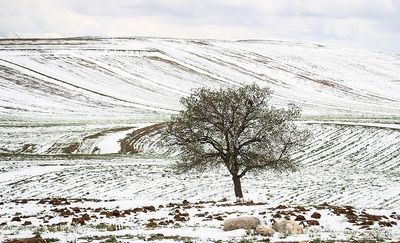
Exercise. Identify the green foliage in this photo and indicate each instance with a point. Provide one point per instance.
(236, 128)
(112, 239)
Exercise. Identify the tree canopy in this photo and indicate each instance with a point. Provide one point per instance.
(237, 128)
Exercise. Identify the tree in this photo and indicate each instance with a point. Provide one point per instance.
(235, 128)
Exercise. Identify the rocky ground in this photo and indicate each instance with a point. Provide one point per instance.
(89, 220)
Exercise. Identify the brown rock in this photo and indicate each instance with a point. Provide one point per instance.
(76, 210)
(312, 222)
(78, 220)
(385, 224)
(86, 216)
(181, 217)
(65, 212)
(27, 223)
(220, 218)
(301, 209)
(149, 208)
(281, 207)
(339, 211)
(151, 224)
(27, 240)
(316, 215)
(300, 218)
(277, 215)
(16, 219)
(114, 213)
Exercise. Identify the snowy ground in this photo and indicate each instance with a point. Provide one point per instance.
(66, 106)
(97, 186)
(96, 78)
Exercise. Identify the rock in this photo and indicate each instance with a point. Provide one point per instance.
(281, 207)
(86, 216)
(299, 218)
(23, 201)
(316, 215)
(114, 213)
(16, 219)
(28, 240)
(27, 223)
(79, 220)
(220, 218)
(241, 223)
(312, 222)
(287, 227)
(149, 208)
(301, 209)
(181, 217)
(65, 212)
(76, 209)
(385, 224)
(338, 211)
(151, 224)
(265, 230)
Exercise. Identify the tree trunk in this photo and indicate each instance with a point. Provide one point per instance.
(238, 186)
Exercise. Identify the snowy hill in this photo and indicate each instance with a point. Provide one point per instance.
(75, 78)
(64, 90)
(72, 109)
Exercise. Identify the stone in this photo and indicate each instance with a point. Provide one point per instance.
(27, 223)
(312, 222)
(265, 230)
(300, 218)
(86, 216)
(78, 220)
(241, 223)
(287, 227)
(149, 208)
(316, 215)
(16, 219)
(28, 240)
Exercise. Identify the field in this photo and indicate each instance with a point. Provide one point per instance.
(81, 158)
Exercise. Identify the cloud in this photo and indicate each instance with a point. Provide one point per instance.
(355, 23)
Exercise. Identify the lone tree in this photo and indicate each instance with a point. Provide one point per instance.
(237, 128)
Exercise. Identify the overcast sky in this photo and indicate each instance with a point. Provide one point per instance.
(373, 24)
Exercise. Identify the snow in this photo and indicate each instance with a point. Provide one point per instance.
(110, 143)
(94, 92)
(111, 77)
(28, 172)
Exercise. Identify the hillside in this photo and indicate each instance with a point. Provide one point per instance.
(104, 78)
(81, 158)
(58, 94)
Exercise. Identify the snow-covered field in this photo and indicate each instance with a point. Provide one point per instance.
(50, 193)
(72, 109)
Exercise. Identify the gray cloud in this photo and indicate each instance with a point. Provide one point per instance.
(355, 23)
